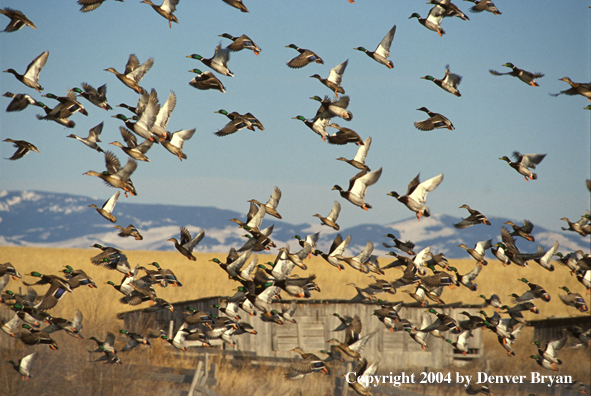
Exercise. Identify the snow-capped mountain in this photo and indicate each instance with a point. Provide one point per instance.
(42, 219)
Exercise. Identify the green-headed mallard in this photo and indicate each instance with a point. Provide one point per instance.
(406, 247)
(358, 186)
(358, 262)
(92, 139)
(107, 209)
(166, 10)
(382, 52)
(333, 82)
(573, 299)
(523, 163)
(543, 362)
(23, 147)
(147, 118)
(434, 121)
(48, 110)
(163, 115)
(68, 106)
(135, 339)
(448, 9)
(442, 323)
(467, 279)
(187, 244)
(31, 76)
(134, 72)
(484, 5)
(432, 22)
(108, 345)
(272, 203)
(494, 300)
(133, 149)
(331, 219)
(550, 350)
(23, 366)
(77, 278)
(416, 196)
(237, 123)
(57, 290)
(17, 20)
(575, 88)
(19, 101)
(523, 75)
(337, 248)
(218, 62)
(206, 80)
(535, 291)
(72, 328)
(97, 97)
(449, 82)
(115, 175)
(241, 42)
(318, 125)
(475, 218)
(305, 57)
(36, 337)
(310, 364)
(462, 342)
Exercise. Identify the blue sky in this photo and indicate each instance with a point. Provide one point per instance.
(494, 116)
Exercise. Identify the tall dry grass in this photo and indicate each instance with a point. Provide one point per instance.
(71, 371)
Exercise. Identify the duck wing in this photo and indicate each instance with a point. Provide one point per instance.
(336, 73)
(420, 192)
(34, 68)
(383, 48)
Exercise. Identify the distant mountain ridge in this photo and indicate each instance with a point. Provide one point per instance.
(43, 219)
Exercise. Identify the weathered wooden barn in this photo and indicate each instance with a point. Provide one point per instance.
(315, 325)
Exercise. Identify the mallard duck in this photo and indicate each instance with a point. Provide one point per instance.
(329, 109)
(543, 362)
(130, 230)
(358, 262)
(195, 317)
(254, 218)
(17, 20)
(187, 244)
(523, 75)
(105, 346)
(494, 300)
(333, 82)
(19, 101)
(581, 227)
(23, 147)
(31, 76)
(147, 118)
(271, 205)
(28, 314)
(479, 251)
(584, 336)
(420, 336)
(107, 209)
(218, 62)
(175, 141)
(475, 218)
(306, 366)
(135, 340)
(467, 279)
(11, 326)
(337, 248)
(77, 278)
(434, 121)
(113, 259)
(305, 57)
(331, 219)
(406, 247)
(442, 323)
(90, 5)
(68, 106)
(163, 115)
(524, 231)
(36, 337)
(449, 82)
(57, 290)
(240, 43)
(359, 160)
(550, 350)
(573, 299)
(134, 72)
(288, 311)
(166, 10)
(344, 136)
(318, 125)
(48, 110)
(133, 149)
(236, 123)
(72, 328)
(523, 163)
(462, 342)
(358, 186)
(92, 139)
(583, 89)
(353, 344)
(23, 366)
(382, 52)
(115, 175)
(432, 22)
(237, 4)
(206, 80)
(364, 373)
(97, 97)
(535, 291)
(416, 195)
(484, 5)
(449, 9)
(439, 278)
(474, 389)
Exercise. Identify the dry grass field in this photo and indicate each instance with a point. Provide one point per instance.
(70, 370)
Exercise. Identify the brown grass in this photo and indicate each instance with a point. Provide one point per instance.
(70, 370)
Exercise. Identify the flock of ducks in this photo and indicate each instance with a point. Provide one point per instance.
(258, 284)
